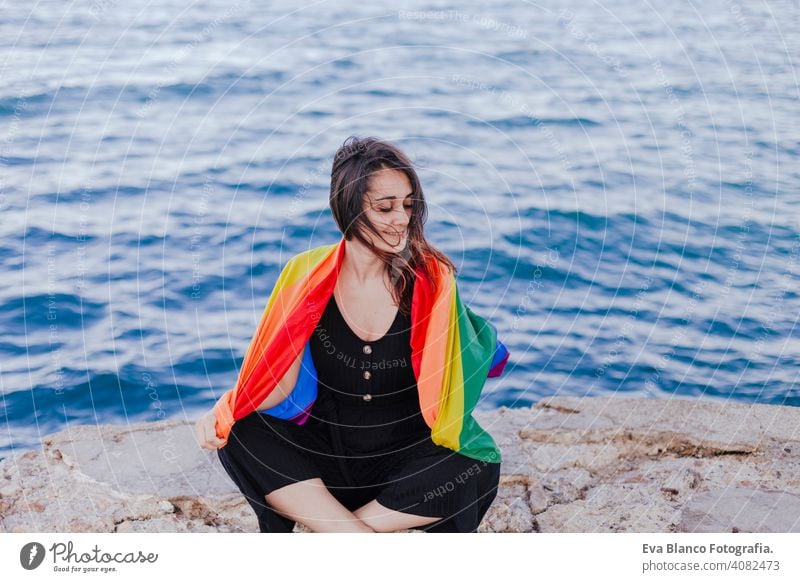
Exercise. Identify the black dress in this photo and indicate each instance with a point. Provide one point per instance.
(365, 438)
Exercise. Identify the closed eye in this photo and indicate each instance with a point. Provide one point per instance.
(389, 209)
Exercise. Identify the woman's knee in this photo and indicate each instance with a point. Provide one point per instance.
(234, 455)
(229, 463)
(249, 429)
(237, 433)
(487, 492)
(459, 470)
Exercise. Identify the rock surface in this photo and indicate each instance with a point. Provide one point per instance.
(570, 464)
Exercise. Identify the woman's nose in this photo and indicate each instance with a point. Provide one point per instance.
(400, 218)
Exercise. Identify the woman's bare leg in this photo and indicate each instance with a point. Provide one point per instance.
(310, 503)
(384, 520)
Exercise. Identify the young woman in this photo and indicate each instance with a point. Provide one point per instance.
(361, 457)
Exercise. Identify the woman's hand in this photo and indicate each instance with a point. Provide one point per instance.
(206, 432)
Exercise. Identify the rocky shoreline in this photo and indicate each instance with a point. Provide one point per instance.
(605, 464)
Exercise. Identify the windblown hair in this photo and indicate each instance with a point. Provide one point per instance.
(353, 165)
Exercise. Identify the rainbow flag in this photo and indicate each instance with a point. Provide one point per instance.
(453, 352)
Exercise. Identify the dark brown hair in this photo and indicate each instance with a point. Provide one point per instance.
(353, 165)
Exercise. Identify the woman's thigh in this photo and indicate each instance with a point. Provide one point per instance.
(441, 483)
(265, 453)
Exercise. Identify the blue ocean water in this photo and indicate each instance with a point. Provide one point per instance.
(617, 183)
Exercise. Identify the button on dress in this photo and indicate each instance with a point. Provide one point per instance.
(367, 394)
(365, 438)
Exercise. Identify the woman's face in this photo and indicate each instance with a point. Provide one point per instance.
(387, 205)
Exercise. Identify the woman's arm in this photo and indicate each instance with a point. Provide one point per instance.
(205, 427)
(284, 387)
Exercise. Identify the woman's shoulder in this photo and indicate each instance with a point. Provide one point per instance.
(310, 257)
